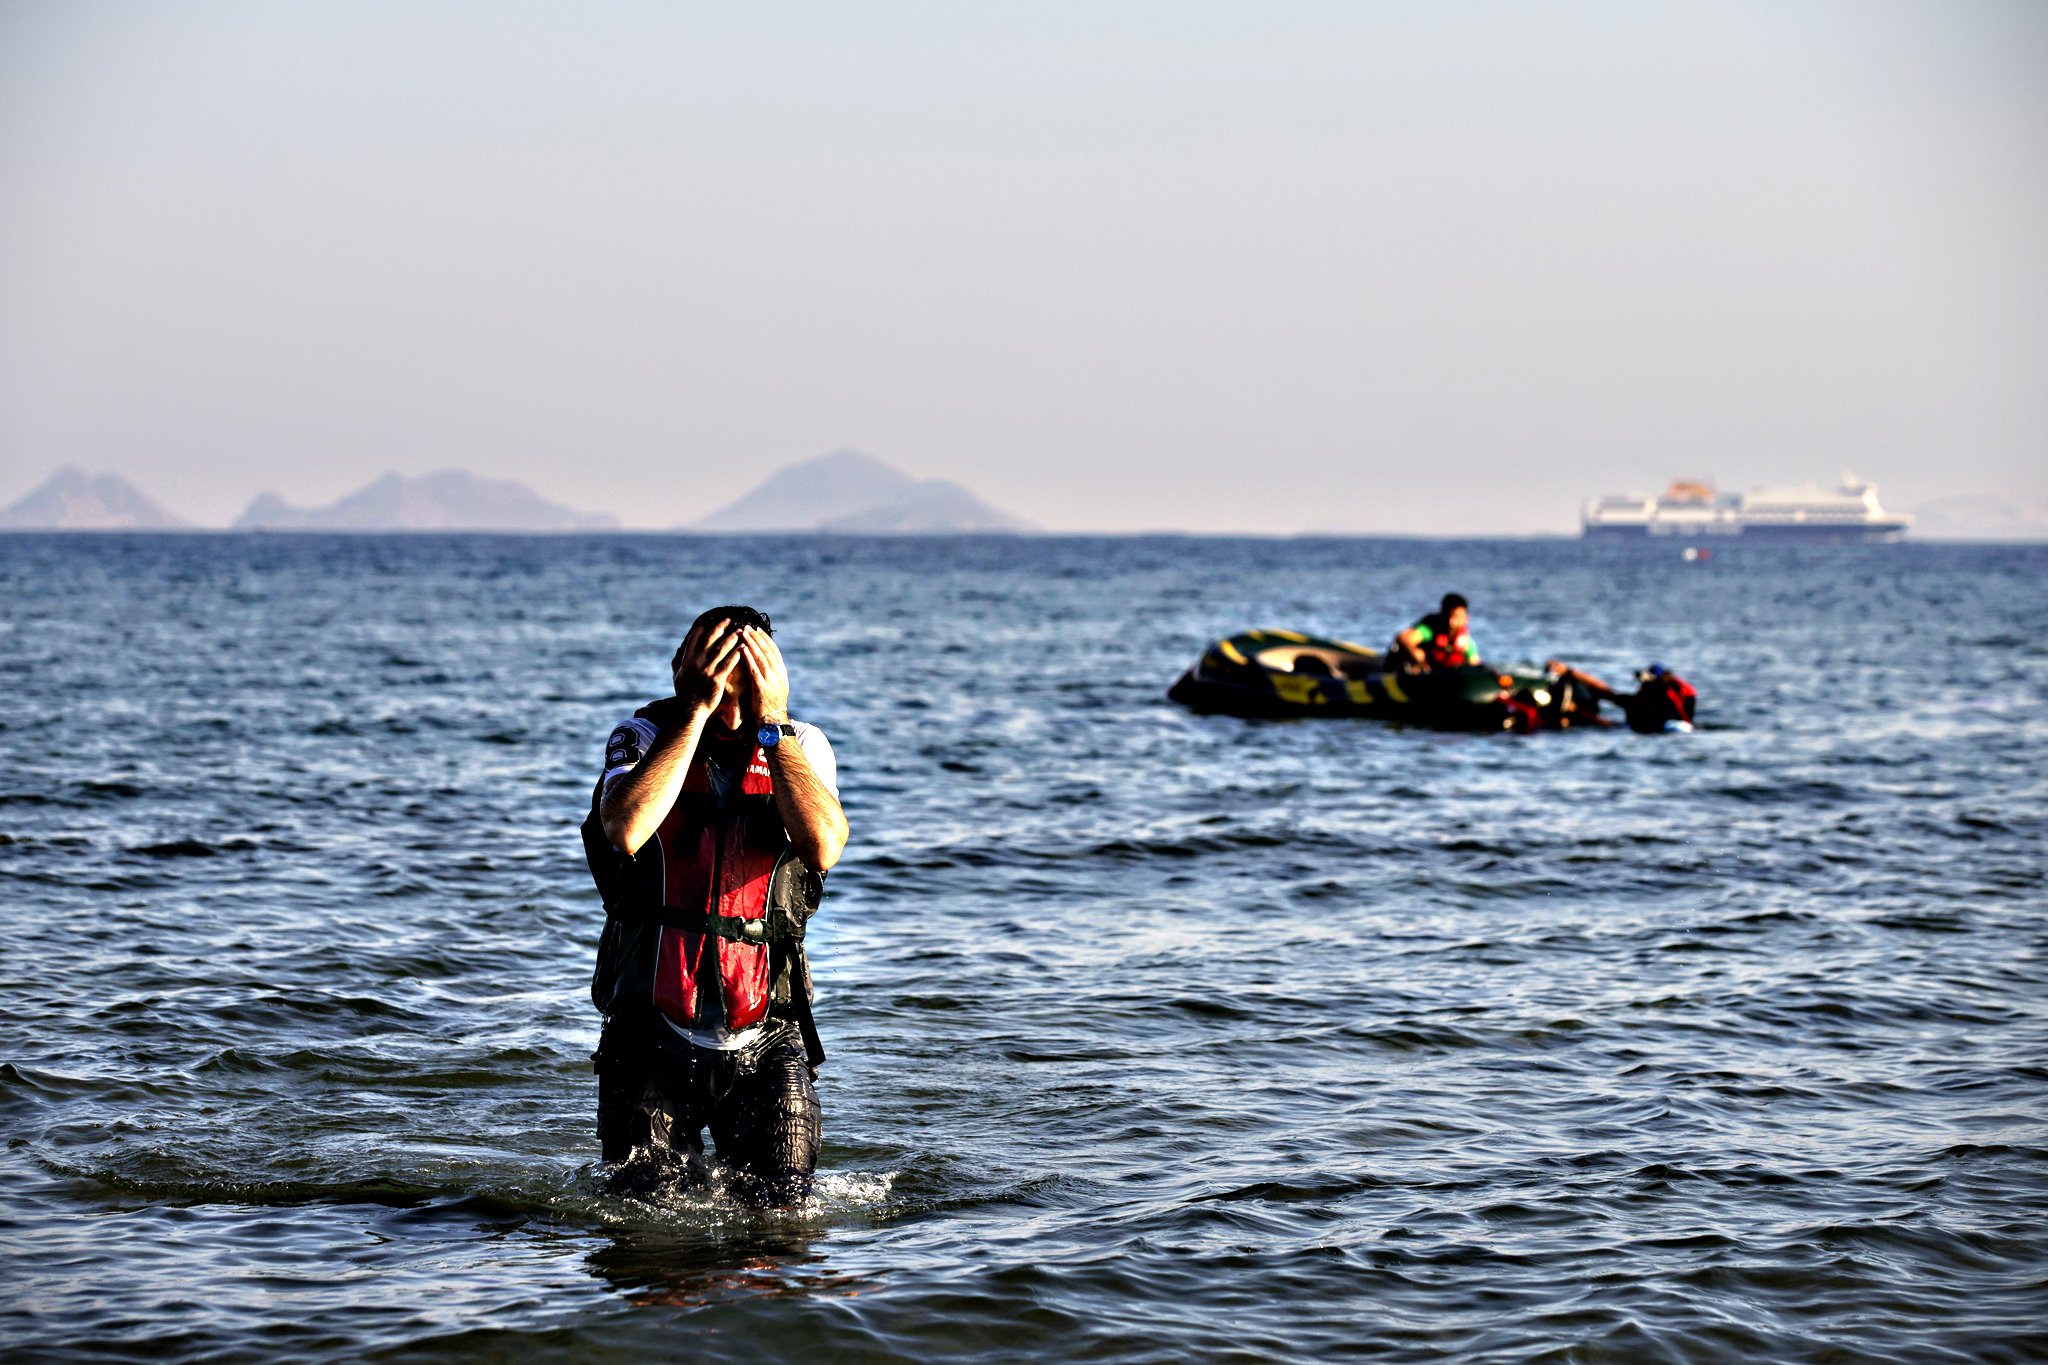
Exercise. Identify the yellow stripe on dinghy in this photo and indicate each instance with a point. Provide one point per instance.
(1298, 688)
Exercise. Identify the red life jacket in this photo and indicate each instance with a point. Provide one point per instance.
(1449, 651)
(1658, 701)
(1443, 649)
(1682, 696)
(717, 856)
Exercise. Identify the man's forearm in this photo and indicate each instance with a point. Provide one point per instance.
(636, 804)
(810, 812)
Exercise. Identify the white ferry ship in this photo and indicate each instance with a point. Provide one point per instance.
(1691, 509)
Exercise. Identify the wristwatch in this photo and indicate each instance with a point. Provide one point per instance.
(771, 732)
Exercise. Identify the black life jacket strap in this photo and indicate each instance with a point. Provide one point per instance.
(765, 930)
(799, 968)
(774, 929)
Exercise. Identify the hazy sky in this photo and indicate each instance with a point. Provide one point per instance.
(1260, 266)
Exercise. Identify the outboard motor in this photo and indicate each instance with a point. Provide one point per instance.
(1662, 701)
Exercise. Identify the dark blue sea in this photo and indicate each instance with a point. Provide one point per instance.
(1153, 1037)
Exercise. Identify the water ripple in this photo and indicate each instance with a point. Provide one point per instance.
(1154, 1036)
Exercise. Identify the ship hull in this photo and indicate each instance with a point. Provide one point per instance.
(1692, 511)
(1779, 535)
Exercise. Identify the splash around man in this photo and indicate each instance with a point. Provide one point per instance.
(709, 835)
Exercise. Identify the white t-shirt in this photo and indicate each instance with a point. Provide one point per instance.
(628, 744)
(633, 737)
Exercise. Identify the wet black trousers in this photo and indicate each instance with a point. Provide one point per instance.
(656, 1096)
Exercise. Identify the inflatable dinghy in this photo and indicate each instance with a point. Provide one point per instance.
(1274, 673)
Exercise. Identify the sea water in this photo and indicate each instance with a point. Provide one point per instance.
(1153, 1036)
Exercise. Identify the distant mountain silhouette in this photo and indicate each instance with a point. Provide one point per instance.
(1980, 516)
(853, 493)
(73, 500)
(446, 500)
(932, 505)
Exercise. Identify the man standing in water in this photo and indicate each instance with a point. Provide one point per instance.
(710, 831)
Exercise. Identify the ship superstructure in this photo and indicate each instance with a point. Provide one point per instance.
(1693, 509)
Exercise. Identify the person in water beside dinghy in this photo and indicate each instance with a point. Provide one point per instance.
(709, 835)
(1662, 701)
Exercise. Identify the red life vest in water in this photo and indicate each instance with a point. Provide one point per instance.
(1682, 696)
(718, 853)
(1659, 701)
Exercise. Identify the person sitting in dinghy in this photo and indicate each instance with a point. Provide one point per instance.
(1438, 640)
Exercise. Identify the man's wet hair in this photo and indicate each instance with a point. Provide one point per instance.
(738, 615)
(1452, 601)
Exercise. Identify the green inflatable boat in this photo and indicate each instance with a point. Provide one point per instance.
(1272, 673)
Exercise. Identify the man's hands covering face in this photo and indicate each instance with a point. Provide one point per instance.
(765, 670)
(710, 657)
